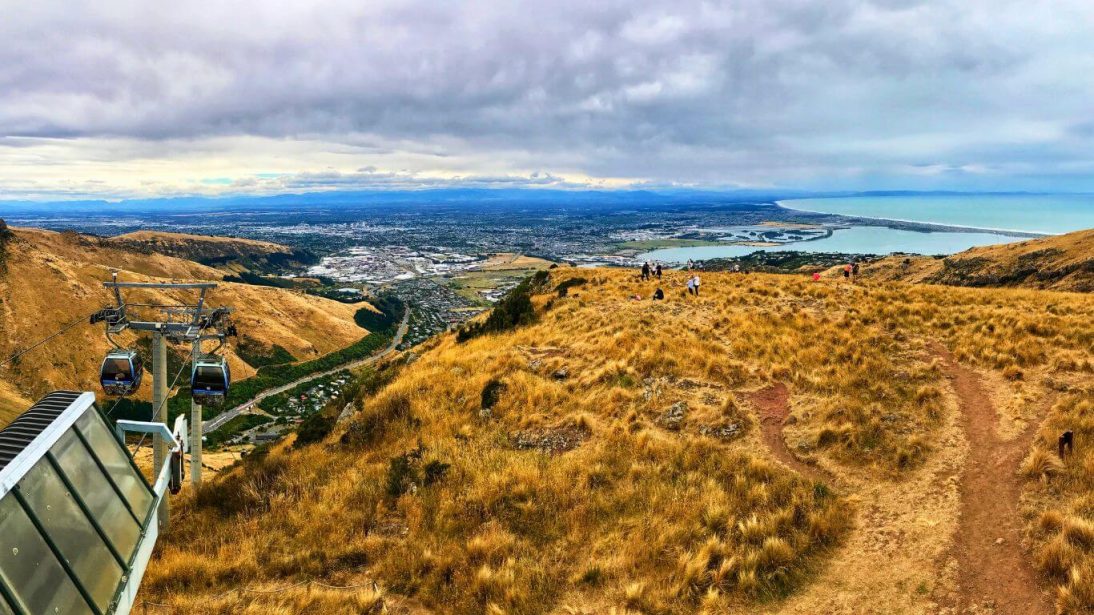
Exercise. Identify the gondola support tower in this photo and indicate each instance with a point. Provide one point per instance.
(181, 323)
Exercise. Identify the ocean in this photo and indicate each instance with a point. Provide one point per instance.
(1048, 214)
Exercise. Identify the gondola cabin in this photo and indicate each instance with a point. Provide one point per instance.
(121, 372)
(210, 381)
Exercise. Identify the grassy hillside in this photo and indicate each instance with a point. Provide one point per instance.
(613, 452)
(51, 279)
(235, 254)
(1063, 262)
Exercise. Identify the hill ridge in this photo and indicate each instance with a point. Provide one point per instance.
(49, 278)
(1060, 262)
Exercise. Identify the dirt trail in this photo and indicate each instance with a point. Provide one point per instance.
(773, 404)
(994, 571)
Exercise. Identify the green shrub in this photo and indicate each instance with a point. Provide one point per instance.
(258, 356)
(313, 429)
(401, 475)
(391, 312)
(511, 311)
(406, 471)
(564, 287)
(434, 471)
(491, 393)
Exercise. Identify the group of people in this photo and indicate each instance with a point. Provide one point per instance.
(850, 273)
(651, 270)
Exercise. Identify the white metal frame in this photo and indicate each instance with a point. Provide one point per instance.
(127, 597)
(40, 445)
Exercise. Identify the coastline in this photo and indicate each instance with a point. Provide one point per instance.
(931, 226)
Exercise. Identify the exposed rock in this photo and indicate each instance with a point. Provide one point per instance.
(673, 418)
(548, 440)
(726, 432)
(561, 373)
(390, 527)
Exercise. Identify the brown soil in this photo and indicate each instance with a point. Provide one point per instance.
(994, 574)
(773, 405)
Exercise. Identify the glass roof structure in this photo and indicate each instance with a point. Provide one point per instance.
(74, 512)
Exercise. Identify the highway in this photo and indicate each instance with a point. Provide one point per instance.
(221, 419)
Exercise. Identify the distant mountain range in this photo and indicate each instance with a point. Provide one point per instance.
(441, 196)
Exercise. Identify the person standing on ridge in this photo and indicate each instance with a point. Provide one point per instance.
(657, 270)
(645, 271)
(695, 283)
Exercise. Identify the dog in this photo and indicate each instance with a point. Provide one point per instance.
(1067, 440)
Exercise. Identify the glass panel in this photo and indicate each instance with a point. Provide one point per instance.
(29, 569)
(211, 378)
(116, 369)
(75, 537)
(116, 461)
(100, 497)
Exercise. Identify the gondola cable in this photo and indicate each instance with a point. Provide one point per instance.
(44, 340)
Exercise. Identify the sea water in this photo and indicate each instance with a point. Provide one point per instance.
(854, 240)
(1049, 214)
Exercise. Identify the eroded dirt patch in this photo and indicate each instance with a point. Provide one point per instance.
(772, 404)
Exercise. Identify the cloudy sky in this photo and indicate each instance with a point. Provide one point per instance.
(121, 99)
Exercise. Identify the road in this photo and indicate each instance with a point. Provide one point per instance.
(219, 420)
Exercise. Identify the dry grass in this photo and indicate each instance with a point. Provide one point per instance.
(52, 279)
(430, 494)
(1060, 262)
(1063, 532)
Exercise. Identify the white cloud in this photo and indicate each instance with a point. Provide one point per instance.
(130, 98)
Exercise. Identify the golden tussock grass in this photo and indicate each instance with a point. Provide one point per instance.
(591, 476)
(1063, 534)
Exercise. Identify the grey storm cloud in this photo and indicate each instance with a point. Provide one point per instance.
(749, 92)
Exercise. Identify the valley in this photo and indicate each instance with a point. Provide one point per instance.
(776, 444)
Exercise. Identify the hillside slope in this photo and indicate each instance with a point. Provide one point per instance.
(774, 445)
(1062, 262)
(50, 279)
(230, 253)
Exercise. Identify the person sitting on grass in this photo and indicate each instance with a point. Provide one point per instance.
(658, 295)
